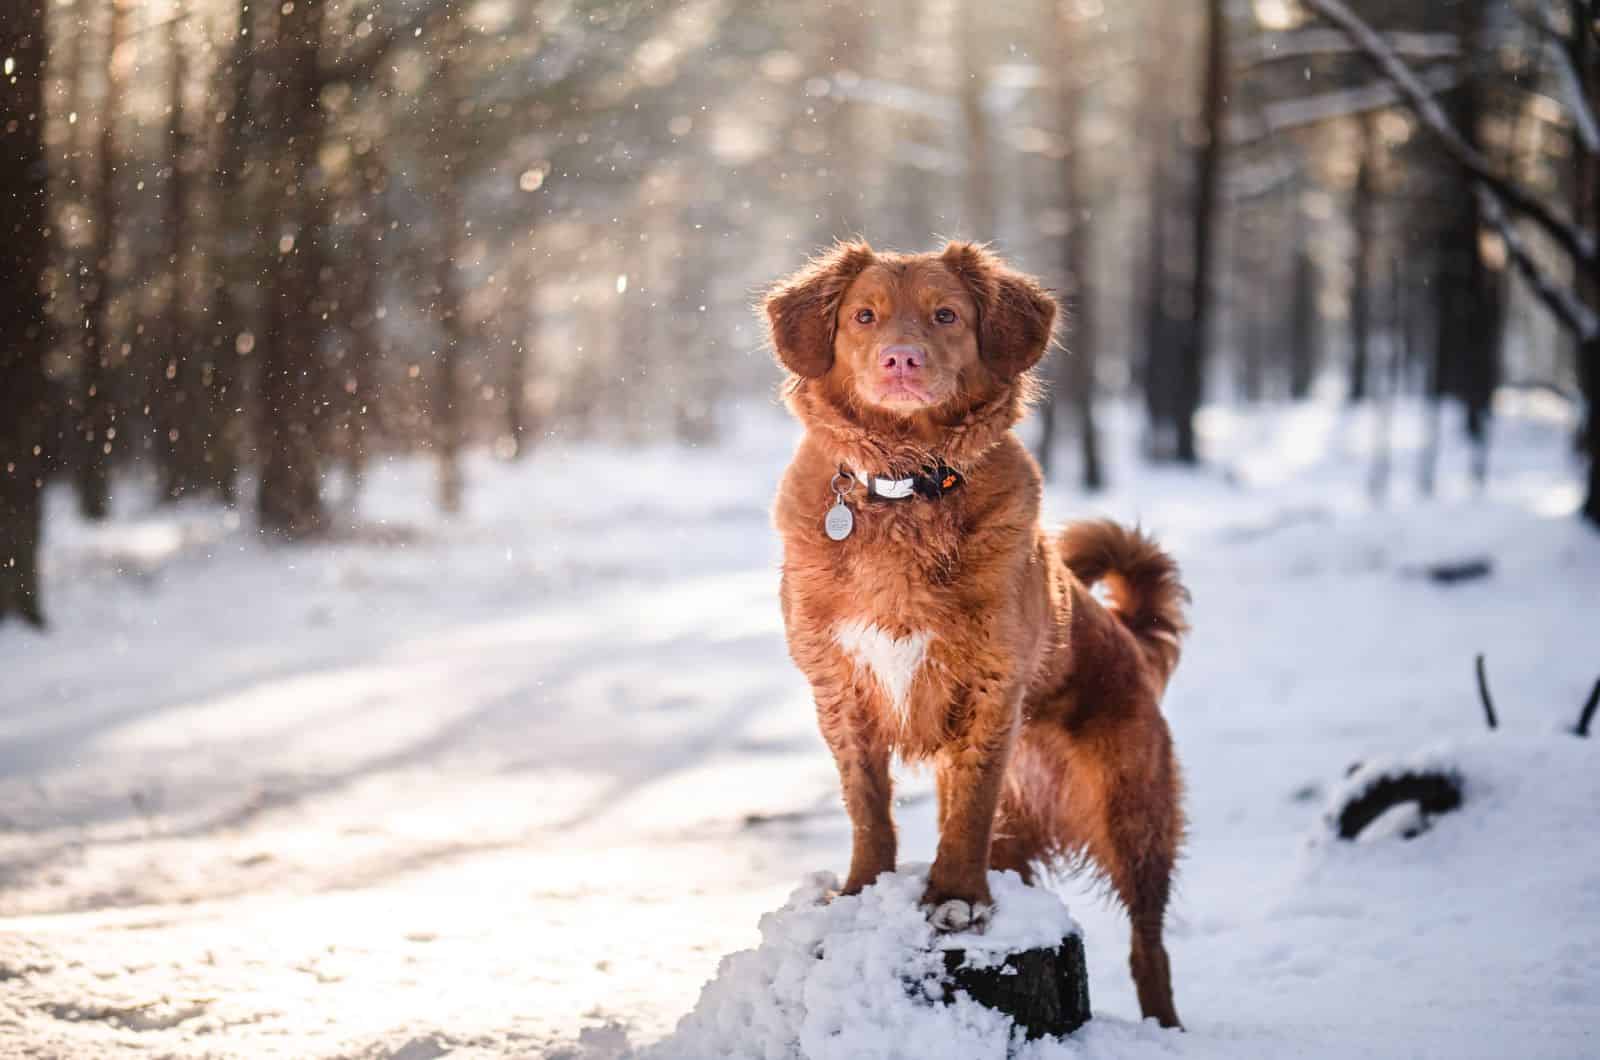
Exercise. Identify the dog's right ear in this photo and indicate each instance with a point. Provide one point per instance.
(803, 310)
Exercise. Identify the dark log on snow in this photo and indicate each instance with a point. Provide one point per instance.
(1434, 793)
(1454, 572)
(1046, 991)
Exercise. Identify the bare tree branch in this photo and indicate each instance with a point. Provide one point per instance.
(1567, 308)
(1310, 43)
(1572, 89)
(1543, 19)
(1290, 114)
(1572, 238)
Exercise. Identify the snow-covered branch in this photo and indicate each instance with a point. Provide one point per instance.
(1572, 238)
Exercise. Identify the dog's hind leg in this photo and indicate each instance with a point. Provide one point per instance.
(1121, 808)
(1147, 957)
(1136, 844)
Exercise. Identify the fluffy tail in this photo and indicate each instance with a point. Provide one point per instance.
(1140, 579)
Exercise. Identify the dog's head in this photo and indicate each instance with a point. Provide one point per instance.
(910, 335)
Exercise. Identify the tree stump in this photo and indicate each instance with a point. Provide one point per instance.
(1046, 991)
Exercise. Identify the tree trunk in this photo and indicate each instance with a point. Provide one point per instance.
(24, 323)
(694, 383)
(1078, 373)
(1399, 329)
(1428, 455)
(844, 44)
(1157, 369)
(182, 405)
(1303, 314)
(1586, 187)
(1250, 332)
(70, 64)
(365, 294)
(1468, 314)
(979, 211)
(522, 420)
(97, 432)
(445, 399)
(1152, 282)
(235, 247)
(1481, 367)
(517, 392)
(911, 198)
(1589, 366)
(1208, 174)
(1364, 223)
(292, 369)
(1044, 453)
(1250, 271)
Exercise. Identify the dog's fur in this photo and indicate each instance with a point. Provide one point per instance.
(956, 629)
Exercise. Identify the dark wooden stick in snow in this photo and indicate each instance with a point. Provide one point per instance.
(1483, 693)
(1587, 715)
(1045, 991)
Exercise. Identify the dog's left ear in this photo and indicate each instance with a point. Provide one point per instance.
(1016, 315)
(803, 310)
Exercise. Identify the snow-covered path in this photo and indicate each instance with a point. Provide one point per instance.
(511, 786)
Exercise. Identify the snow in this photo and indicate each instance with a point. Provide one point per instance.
(861, 977)
(516, 784)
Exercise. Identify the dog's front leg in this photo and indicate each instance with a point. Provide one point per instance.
(864, 774)
(971, 769)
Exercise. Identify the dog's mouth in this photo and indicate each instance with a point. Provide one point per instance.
(898, 391)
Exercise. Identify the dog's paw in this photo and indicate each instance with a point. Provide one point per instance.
(956, 914)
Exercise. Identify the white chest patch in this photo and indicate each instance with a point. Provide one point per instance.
(894, 661)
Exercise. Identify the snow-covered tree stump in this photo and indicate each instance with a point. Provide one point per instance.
(846, 976)
(1044, 991)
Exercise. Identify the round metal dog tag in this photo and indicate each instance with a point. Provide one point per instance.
(839, 522)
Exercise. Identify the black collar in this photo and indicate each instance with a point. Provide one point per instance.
(930, 483)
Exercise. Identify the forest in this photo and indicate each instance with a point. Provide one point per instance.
(250, 247)
(395, 646)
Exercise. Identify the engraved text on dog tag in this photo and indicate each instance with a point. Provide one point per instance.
(840, 521)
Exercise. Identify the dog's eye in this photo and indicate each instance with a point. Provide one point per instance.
(865, 316)
(945, 316)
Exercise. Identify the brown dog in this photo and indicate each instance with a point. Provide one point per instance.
(933, 615)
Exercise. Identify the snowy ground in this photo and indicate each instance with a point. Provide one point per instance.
(512, 785)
